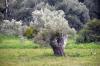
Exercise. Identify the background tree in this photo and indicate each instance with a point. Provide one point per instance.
(76, 13)
(91, 32)
(2, 8)
(94, 7)
(1, 12)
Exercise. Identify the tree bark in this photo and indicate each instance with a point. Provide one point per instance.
(58, 51)
(57, 43)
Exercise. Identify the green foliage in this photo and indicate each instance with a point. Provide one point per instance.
(30, 32)
(90, 33)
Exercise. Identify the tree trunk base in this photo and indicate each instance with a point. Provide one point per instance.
(58, 51)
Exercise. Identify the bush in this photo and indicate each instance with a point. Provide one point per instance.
(90, 33)
(11, 27)
(30, 32)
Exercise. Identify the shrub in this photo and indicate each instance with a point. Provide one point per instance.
(30, 32)
(11, 27)
(90, 33)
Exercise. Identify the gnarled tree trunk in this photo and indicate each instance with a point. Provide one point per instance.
(57, 43)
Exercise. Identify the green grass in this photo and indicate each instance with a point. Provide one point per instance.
(44, 57)
(14, 52)
(17, 43)
(72, 44)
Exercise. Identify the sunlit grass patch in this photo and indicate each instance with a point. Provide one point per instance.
(72, 44)
(45, 57)
(14, 52)
(17, 43)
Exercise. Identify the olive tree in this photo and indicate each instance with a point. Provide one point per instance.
(52, 28)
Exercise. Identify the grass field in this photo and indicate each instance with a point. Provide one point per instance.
(44, 57)
(14, 52)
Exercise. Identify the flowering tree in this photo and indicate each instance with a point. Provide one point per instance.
(52, 27)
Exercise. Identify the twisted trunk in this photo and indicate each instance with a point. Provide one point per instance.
(57, 43)
(58, 51)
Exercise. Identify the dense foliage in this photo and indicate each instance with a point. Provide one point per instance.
(91, 32)
(12, 27)
(49, 23)
(94, 7)
(76, 13)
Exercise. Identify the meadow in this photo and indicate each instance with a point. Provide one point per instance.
(25, 22)
(14, 52)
